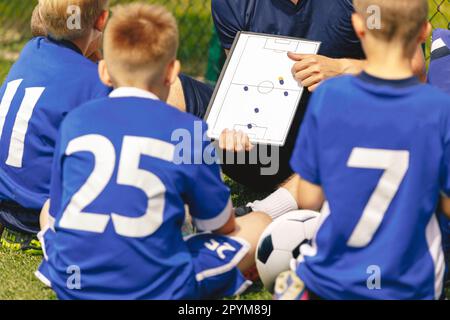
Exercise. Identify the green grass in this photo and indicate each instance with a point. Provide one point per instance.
(17, 280)
(4, 68)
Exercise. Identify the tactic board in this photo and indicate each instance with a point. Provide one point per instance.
(256, 92)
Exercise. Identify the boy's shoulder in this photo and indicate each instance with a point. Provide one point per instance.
(56, 56)
(333, 89)
(66, 51)
(60, 66)
(359, 88)
(432, 98)
(336, 82)
(342, 84)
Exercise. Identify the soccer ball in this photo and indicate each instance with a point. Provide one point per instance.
(281, 241)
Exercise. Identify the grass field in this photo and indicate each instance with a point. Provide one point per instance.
(16, 270)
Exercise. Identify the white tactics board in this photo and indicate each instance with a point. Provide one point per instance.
(256, 92)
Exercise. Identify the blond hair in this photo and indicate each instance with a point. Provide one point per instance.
(400, 19)
(70, 19)
(37, 27)
(140, 41)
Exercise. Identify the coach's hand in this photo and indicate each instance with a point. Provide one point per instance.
(235, 141)
(311, 69)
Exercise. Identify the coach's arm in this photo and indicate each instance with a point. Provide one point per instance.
(445, 206)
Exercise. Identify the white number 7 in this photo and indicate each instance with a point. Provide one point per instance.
(395, 164)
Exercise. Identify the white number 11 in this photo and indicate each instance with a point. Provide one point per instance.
(395, 164)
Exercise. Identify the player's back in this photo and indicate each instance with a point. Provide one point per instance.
(119, 156)
(379, 149)
(49, 79)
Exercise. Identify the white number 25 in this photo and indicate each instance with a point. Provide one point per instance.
(128, 174)
(396, 164)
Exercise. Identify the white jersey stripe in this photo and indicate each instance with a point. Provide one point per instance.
(437, 44)
(434, 240)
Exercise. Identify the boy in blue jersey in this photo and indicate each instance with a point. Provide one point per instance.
(376, 147)
(51, 77)
(188, 94)
(439, 76)
(120, 184)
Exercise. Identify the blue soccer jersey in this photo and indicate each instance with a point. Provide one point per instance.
(124, 169)
(439, 76)
(49, 79)
(380, 150)
(439, 71)
(319, 20)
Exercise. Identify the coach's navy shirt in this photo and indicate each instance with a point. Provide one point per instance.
(328, 21)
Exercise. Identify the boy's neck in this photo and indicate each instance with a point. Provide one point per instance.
(388, 62)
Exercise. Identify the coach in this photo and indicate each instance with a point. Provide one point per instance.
(319, 20)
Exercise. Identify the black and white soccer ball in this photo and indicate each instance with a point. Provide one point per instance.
(281, 241)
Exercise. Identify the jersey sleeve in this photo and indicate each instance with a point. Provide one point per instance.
(305, 159)
(207, 196)
(229, 19)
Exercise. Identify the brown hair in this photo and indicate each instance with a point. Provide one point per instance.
(400, 19)
(140, 40)
(57, 15)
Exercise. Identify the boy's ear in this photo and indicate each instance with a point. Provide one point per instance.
(359, 25)
(173, 72)
(425, 32)
(100, 24)
(104, 74)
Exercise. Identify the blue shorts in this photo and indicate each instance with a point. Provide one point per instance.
(215, 259)
(196, 95)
